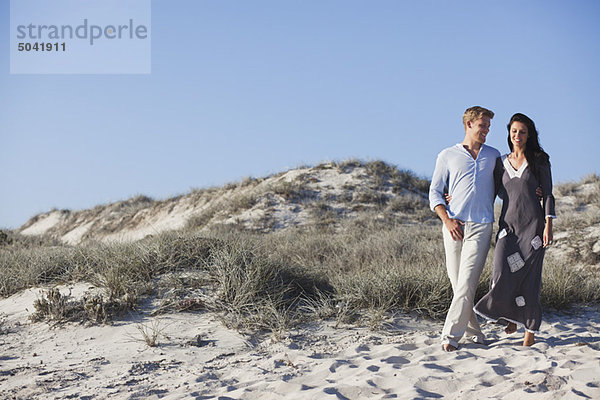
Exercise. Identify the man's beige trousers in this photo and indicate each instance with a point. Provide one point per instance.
(464, 261)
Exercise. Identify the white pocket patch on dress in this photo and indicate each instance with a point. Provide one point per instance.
(502, 233)
(536, 242)
(520, 301)
(515, 262)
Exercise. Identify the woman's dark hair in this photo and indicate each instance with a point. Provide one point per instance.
(534, 153)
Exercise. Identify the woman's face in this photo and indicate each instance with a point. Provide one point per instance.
(518, 134)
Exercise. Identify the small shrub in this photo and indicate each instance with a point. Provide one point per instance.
(566, 189)
(53, 306)
(290, 191)
(202, 219)
(305, 179)
(194, 304)
(370, 197)
(325, 165)
(95, 308)
(243, 202)
(379, 168)
(248, 181)
(151, 332)
(4, 239)
(409, 203)
(323, 215)
(406, 180)
(348, 166)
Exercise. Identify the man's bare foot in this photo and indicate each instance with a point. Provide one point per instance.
(511, 328)
(448, 347)
(529, 339)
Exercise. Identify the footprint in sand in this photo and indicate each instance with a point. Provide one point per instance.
(570, 364)
(438, 367)
(362, 347)
(335, 392)
(560, 327)
(396, 361)
(465, 354)
(502, 370)
(338, 363)
(581, 330)
(428, 395)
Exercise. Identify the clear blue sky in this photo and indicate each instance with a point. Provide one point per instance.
(249, 88)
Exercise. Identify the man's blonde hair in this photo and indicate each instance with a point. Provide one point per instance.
(476, 112)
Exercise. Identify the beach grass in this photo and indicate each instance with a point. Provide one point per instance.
(388, 257)
(269, 281)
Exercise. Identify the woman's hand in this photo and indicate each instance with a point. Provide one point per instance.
(447, 197)
(548, 232)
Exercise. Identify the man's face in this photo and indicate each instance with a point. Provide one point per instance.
(478, 129)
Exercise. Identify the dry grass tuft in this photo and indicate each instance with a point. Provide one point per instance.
(150, 332)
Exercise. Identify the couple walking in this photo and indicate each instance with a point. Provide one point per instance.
(472, 174)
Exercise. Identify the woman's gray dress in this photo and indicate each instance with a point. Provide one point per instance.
(515, 287)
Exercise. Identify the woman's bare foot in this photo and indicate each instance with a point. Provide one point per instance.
(448, 347)
(529, 339)
(511, 328)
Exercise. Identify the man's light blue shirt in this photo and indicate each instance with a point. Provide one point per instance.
(469, 181)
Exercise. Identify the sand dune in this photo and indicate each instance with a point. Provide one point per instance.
(276, 202)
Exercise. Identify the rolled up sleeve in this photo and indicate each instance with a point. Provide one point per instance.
(438, 182)
(546, 183)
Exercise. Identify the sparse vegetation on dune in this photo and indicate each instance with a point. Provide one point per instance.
(578, 225)
(352, 269)
(257, 281)
(276, 202)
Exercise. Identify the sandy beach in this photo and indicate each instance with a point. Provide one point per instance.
(198, 358)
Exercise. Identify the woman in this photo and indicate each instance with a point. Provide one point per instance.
(525, 230)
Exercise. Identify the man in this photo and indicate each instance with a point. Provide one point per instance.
(466, 170)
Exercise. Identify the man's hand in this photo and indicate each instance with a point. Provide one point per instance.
(539, 193)
(455, 227)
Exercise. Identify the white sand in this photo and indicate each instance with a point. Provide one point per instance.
(317, 361)
(44, 223)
